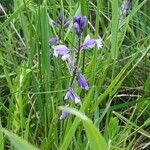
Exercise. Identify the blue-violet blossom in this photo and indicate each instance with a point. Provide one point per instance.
(81, 81)
(73, 96)
(63, 115)
(60, 50)
(90, 43)
(79, 23)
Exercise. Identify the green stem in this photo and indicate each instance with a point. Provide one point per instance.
(76, 64)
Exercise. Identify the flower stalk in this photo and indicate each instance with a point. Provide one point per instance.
(61, 50)
(77, 63)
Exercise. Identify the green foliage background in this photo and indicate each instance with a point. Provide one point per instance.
(115, 112)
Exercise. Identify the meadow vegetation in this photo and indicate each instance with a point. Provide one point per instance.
(115, 110)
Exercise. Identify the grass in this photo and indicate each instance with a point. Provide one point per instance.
(115, 111)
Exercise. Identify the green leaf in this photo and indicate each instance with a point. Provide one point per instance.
(113, 127)
(71, 132)
(114, 30)
(14, 15)
(18, 142)
(95, 138)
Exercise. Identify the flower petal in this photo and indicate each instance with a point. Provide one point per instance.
(77, 28)
(87, 44)
(52, 41)
(90, 43)
(81, 81)
(63, 115)
(71, 95)
(82, 22)
(79, 23)
(60, 50)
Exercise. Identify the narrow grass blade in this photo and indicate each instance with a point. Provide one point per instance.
(14, 15)
(1, 139)
(76, 122)
(113, 83)
(96, 140)
(18, 142)
(114, 29)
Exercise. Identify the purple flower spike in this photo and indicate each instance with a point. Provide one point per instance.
(79, 23)
(63, 115)
(71, 95)
(88, 43)
(81, 81)
(60, 50)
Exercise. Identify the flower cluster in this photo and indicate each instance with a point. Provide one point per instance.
(79, 23)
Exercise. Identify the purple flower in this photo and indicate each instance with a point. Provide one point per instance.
(79, 23)
(53, 41)
(60, 50)
(68, 58)
(59, 20)
(71, 95)
(63, 115)
(90, 43)
(81, 81)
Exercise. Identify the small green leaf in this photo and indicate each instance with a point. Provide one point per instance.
(113, 127)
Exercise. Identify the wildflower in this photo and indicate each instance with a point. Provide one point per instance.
(125, 7)
(79, 23)
(63, 115)
(71, 95)
(60, 19)
(53, 41)
(68, 58)
(60, 50)
(90, 43)
(81, 81)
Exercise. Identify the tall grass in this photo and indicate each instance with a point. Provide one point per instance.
(115, 111)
